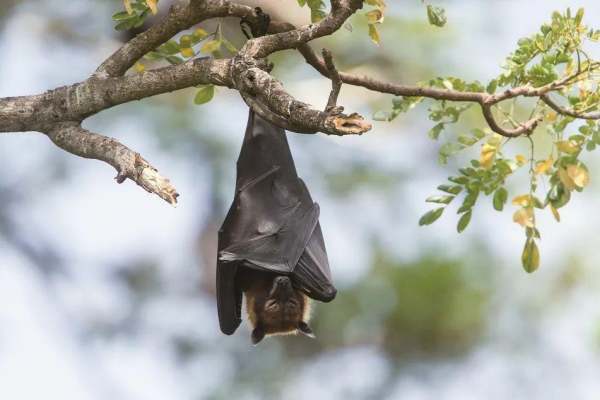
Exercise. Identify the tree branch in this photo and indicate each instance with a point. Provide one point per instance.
(71, 137)
(336, 81)
(81, 100)
(565, 111)
(179, 18)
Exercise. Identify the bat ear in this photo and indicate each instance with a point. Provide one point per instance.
(258, 334)
(304, 329)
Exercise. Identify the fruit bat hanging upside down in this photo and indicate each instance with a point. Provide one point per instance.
(271, 247)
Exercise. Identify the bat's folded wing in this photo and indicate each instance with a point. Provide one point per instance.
(274, 226)
(312, 270)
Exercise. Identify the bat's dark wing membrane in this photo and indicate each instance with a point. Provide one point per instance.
(272, 224)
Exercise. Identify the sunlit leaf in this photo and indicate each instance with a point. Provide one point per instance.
(374, 34)
(566, 179)
(185, 41)
(523, 200)
(211, 46)
(450, 189)
(543, 167)
(375, 16)
(439, 199)
(199, 34)
(204, 95)
(568, 146)
(521, 159)
(524, 217)
(488, 154)
(152, 6)
(187, 52)
(128, 8)
(578, 175)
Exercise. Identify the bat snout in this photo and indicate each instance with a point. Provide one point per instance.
(282, 288)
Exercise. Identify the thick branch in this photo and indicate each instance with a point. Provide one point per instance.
(263, 88)
(71, 137)
(78, 101)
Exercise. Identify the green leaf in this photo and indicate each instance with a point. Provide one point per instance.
(431, 216)
(121, 16)
(459, 180)
(126, 24)
(492, 86)
(449, 149)
(211, 46)
(450, 189)
(463, 222)
(478, 133)
(434, 133)
(374, 34)
(579, 16)
(531, 256)
(153, 55)
(204, 95)
(500, 197)
(170, 47)
(439, 199)
(436, 16)
(381, 115)
(198, 35)
(174, 60)
(185, 41)
(467, 140)
(464, 208)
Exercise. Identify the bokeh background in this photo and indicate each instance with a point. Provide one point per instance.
(107, 292)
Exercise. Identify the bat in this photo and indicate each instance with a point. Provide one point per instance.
(270, 246)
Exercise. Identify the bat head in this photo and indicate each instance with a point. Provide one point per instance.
(275, 307)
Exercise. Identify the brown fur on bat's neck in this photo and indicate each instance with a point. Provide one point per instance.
(273, 308)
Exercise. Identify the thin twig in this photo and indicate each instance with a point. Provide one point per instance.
(336, 81)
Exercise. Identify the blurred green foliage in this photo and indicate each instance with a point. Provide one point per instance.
(429, 307)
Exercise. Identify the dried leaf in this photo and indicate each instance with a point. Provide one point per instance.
(578, 175)
(374, 34)
(566, 180)
(524, 217)
(152, 6)
(128, 8)
(542, 167)
(488, 154)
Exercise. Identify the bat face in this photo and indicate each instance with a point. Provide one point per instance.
(275, 307)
